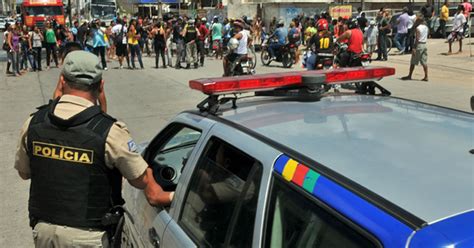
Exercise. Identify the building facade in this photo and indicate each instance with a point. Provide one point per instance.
(286, 10)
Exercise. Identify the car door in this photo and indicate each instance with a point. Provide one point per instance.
(166, 154)
(221, 202)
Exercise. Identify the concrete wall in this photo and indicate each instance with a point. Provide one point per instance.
(287, 11)
(236, 9)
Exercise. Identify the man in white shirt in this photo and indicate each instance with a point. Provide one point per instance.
(240, 51)
(419, 54)
(457, 32)
(119, 32)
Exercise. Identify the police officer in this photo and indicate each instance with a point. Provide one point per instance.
(190, 34)
(75, 156)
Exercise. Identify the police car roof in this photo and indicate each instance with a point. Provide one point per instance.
(414, 155)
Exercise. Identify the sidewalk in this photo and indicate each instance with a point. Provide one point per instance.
(451, 78)
(438, 58)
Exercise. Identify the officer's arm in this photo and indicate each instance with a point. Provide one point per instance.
(22, 160)
(153, 191)
(120, 152)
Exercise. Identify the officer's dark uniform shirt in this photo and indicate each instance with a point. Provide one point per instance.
(191, 34)
(119, 148)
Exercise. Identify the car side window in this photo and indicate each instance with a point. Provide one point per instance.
(294, 220)
(221, 201)
(170, 155)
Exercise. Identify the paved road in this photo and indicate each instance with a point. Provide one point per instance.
(147, 99)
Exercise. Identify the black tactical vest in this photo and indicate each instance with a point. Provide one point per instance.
(70, 183)
(191, 34)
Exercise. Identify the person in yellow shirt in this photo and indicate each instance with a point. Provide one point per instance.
(135, 50)
(310, 31)
(443, 18)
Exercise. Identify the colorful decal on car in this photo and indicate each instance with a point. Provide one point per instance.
(297, 173)
(390, 231)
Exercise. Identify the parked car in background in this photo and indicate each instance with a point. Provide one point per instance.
(3, 22)
(10, 21)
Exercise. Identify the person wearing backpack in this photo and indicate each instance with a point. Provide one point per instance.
(119, 32)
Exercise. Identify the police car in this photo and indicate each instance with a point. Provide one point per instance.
(274, 160)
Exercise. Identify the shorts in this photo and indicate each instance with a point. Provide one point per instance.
(232, 57)
(420, 56)
(455, 36)
(121, 50)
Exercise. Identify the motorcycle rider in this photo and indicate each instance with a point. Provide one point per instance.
(294, 38)
(281, 33)
(320, 42)
(242, 37)
(355, 42)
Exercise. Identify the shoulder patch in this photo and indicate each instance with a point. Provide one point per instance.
(132, 146)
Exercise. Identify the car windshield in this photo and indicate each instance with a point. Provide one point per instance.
(103, 12)
(44, 10)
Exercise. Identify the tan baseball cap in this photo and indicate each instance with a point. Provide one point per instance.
(82, 67)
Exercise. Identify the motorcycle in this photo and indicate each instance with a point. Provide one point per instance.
(324, 61)
(243, 66)
(285, 55)
(362, 59)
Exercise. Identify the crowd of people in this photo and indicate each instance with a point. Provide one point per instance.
(183, 42)
(180, 42)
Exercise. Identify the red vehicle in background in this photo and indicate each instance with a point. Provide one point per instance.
(37, 12)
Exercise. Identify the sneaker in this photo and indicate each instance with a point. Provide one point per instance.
(121, 67)
(105, 69)
(188, 66)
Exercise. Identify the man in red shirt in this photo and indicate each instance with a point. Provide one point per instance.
(467, 8)
(355, 42)
(467, 12)
(203, 34)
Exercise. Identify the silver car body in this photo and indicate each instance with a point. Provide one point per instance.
(396, 148)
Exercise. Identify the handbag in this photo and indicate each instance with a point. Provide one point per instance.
(5, 46)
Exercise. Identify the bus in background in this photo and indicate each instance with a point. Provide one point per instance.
(37, 12)
(105, 10)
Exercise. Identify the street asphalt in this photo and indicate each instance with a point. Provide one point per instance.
(147, 99)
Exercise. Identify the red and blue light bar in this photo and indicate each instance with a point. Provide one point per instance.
(265, 82)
